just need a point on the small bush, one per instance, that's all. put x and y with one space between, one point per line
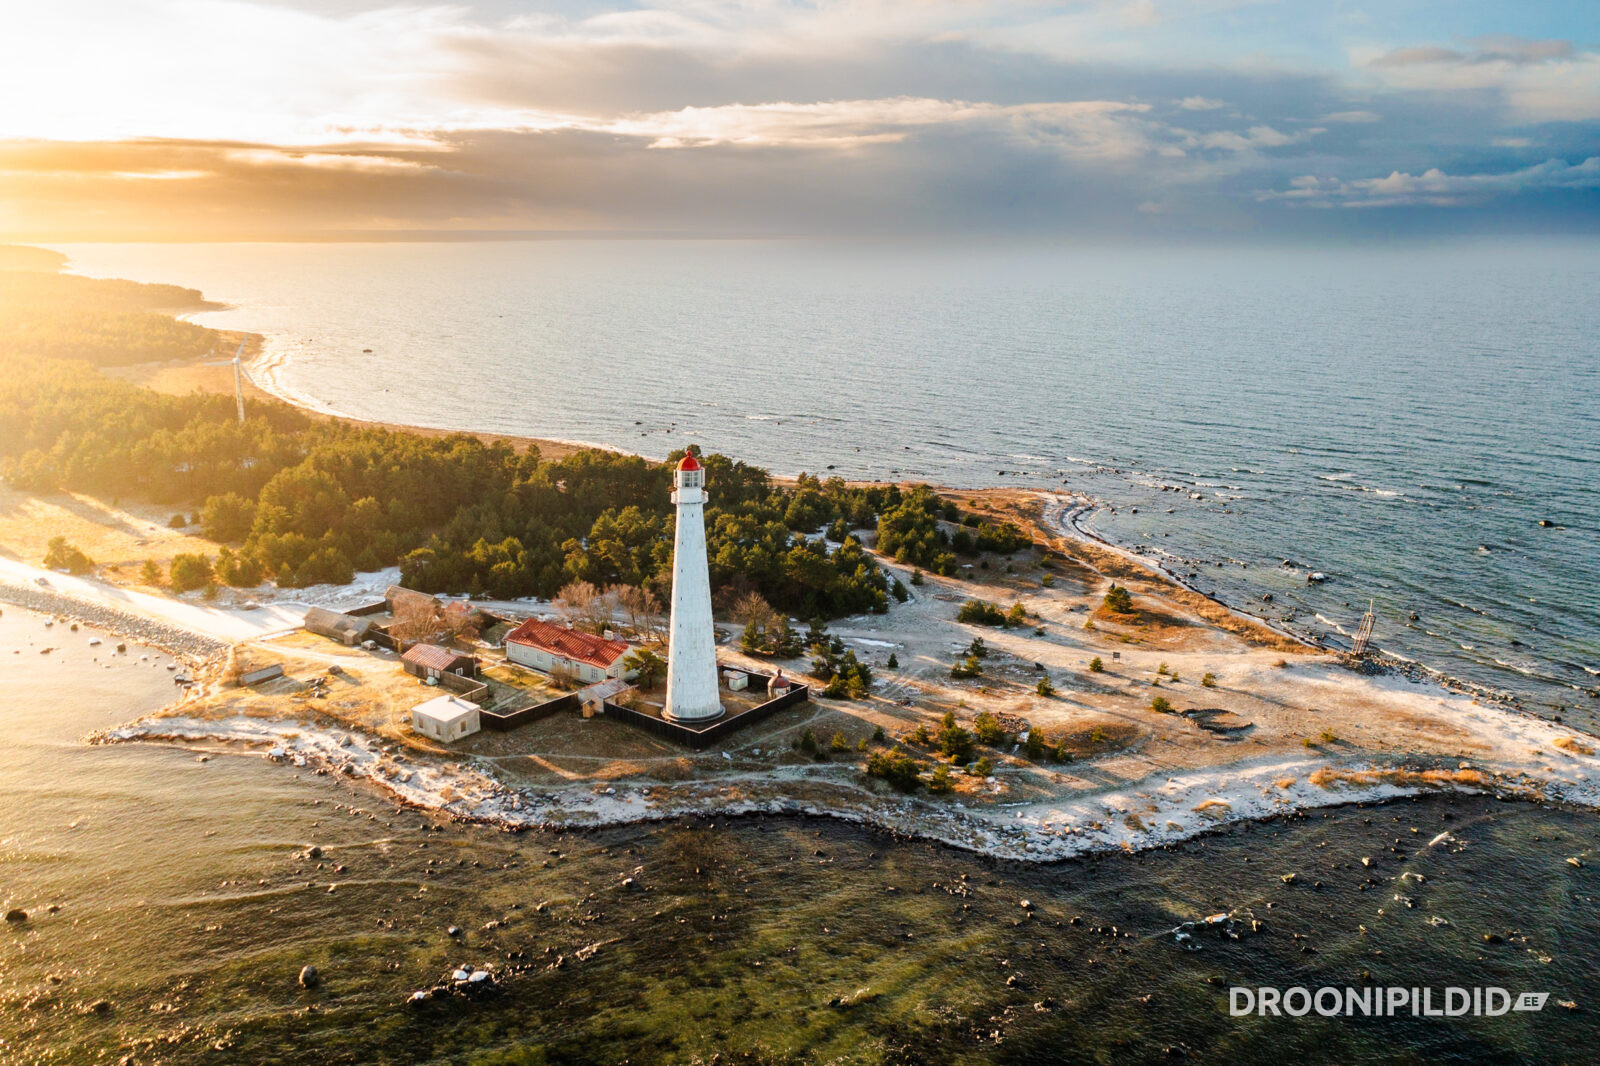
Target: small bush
808 742
1035 746
894 661
1161 705
1118 600
982 768
60 555
1096 666
177 521
987 728
150 572
189 572
878 736
954 741
1018 615
838 743
968 667
982 613
1209 680
1044 687
1048 581
916 577
940 782
897 768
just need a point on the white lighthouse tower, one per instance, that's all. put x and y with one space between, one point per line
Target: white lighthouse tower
692 652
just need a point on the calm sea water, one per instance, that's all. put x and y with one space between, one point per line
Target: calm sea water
1398 418
172 902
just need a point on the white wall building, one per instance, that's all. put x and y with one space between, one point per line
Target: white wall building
445 718
547 647
692 651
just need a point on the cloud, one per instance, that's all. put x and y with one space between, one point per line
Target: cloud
1099 129
1435 188
751 115
1535 80
1252 139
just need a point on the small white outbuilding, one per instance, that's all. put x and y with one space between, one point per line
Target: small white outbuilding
445 718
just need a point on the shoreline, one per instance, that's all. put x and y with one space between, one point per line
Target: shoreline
1189 805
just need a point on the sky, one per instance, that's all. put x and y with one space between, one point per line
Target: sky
1110 119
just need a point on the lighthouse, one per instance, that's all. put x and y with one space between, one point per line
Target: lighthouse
692 652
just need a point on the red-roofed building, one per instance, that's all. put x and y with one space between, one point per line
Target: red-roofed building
431 660
549 647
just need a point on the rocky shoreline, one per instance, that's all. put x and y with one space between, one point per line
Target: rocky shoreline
192 648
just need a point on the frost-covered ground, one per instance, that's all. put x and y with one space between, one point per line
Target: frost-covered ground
1524 759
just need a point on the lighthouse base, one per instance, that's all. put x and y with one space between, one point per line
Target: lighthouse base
710 715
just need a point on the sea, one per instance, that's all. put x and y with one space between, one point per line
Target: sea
1417 422
173 895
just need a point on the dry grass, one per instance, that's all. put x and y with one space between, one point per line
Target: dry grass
119 539
1575 747
1333 779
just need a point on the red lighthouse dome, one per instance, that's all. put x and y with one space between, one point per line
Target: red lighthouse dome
689 462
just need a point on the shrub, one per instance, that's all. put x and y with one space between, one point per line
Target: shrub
1097 736
1048 581
968 667
988 730
189 572
1161 705
916 577
1209 680
897 768
1096 666
1018 615
177 521
978 649
982 768
238 569
1044 687
808 742
981 613
150 573
838 743
1035 745
59 555
940 782
877 735
919 736
954 741
1118 600
1161 671
894 661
